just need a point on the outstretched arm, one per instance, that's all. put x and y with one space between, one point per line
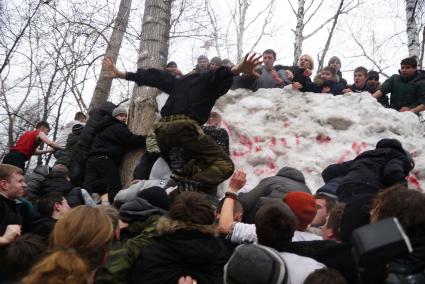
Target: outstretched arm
49 142
111 70
247 66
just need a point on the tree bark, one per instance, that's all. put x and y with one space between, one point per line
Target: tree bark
103 85
240 31
298 44
153 52
411 28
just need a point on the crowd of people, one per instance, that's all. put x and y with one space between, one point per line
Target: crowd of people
76 223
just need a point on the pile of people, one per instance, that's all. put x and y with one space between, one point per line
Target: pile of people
172 225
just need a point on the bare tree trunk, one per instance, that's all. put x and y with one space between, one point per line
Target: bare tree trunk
240 31
411 28
153 52
298 44
328 41
103 85
421 59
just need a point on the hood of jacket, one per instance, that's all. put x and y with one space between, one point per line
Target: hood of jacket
139 209
291 173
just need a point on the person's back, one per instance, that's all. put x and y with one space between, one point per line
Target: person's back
186 245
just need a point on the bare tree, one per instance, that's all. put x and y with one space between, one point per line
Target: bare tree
153 52
103 85
412 29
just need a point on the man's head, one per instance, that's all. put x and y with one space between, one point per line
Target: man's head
360 76
408 67
120 113
81 117
372 79
226 62
202 63
237 210
192 207
306 62
43 126
303 205
275 225
269 57
215 63
53 205
59 170
335 63
214 119
332 229
12 183
171 67
324 205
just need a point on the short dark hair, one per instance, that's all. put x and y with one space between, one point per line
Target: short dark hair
45 203
411 61
361 69
330 202
330 69
79 115
192 207
20 256
270 51
275 225
325 275
41 124
334 220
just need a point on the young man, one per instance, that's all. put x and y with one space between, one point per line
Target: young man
360 82
374 85
79 118
335 63
324 205
51 208
187 108
27 145
270 78
12 211
407 88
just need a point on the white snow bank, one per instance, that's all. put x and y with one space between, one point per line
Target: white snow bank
272 128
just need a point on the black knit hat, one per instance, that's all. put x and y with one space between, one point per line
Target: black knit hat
156 196
252 263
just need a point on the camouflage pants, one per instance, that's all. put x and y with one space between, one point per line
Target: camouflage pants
205 161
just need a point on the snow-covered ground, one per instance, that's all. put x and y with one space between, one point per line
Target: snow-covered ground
272 128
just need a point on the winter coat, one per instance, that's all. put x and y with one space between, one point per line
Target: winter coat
375 169
181 249
336 87
62 185
192 95
89 131
139 209
34 180
13 212
71 150
114 138
219 135
43 226
341 80
405 92
299 77
286 180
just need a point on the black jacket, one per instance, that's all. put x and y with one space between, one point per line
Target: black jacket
181 250
114 138
336 87
193 95
299 77
43 226
387 165
62 185
13 212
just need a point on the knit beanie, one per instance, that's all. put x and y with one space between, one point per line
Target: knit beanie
202 57
156 196
119 110
303 205
256 264
334 58
216 60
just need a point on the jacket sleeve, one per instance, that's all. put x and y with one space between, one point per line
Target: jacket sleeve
221 80
336 170
394 172
387 86
249 200
154 78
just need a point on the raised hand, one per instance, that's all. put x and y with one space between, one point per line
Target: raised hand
247 66
237 181
111 70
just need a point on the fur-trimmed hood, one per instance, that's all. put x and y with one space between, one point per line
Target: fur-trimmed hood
165 225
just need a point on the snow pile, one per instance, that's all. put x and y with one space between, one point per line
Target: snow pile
272 128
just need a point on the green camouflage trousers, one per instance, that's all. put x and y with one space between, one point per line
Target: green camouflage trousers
205 161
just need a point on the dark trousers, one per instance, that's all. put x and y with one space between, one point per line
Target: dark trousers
15 158
205 161
144 167
102 176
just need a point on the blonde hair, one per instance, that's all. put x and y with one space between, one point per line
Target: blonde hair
309 59
80 241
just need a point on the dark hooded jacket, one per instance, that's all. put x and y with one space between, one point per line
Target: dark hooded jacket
114 138
286 180
181 249
299 77
34 181
375 169
43 226
62 185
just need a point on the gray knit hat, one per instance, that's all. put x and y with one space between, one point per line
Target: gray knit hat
334 58
119 110
252 263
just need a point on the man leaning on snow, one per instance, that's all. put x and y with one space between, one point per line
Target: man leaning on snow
407 88
203 164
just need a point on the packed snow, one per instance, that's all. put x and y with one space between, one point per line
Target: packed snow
273 128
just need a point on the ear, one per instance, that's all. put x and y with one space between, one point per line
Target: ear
56 206
3 184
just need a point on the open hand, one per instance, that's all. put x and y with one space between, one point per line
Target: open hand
247 66
237 181
111 70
